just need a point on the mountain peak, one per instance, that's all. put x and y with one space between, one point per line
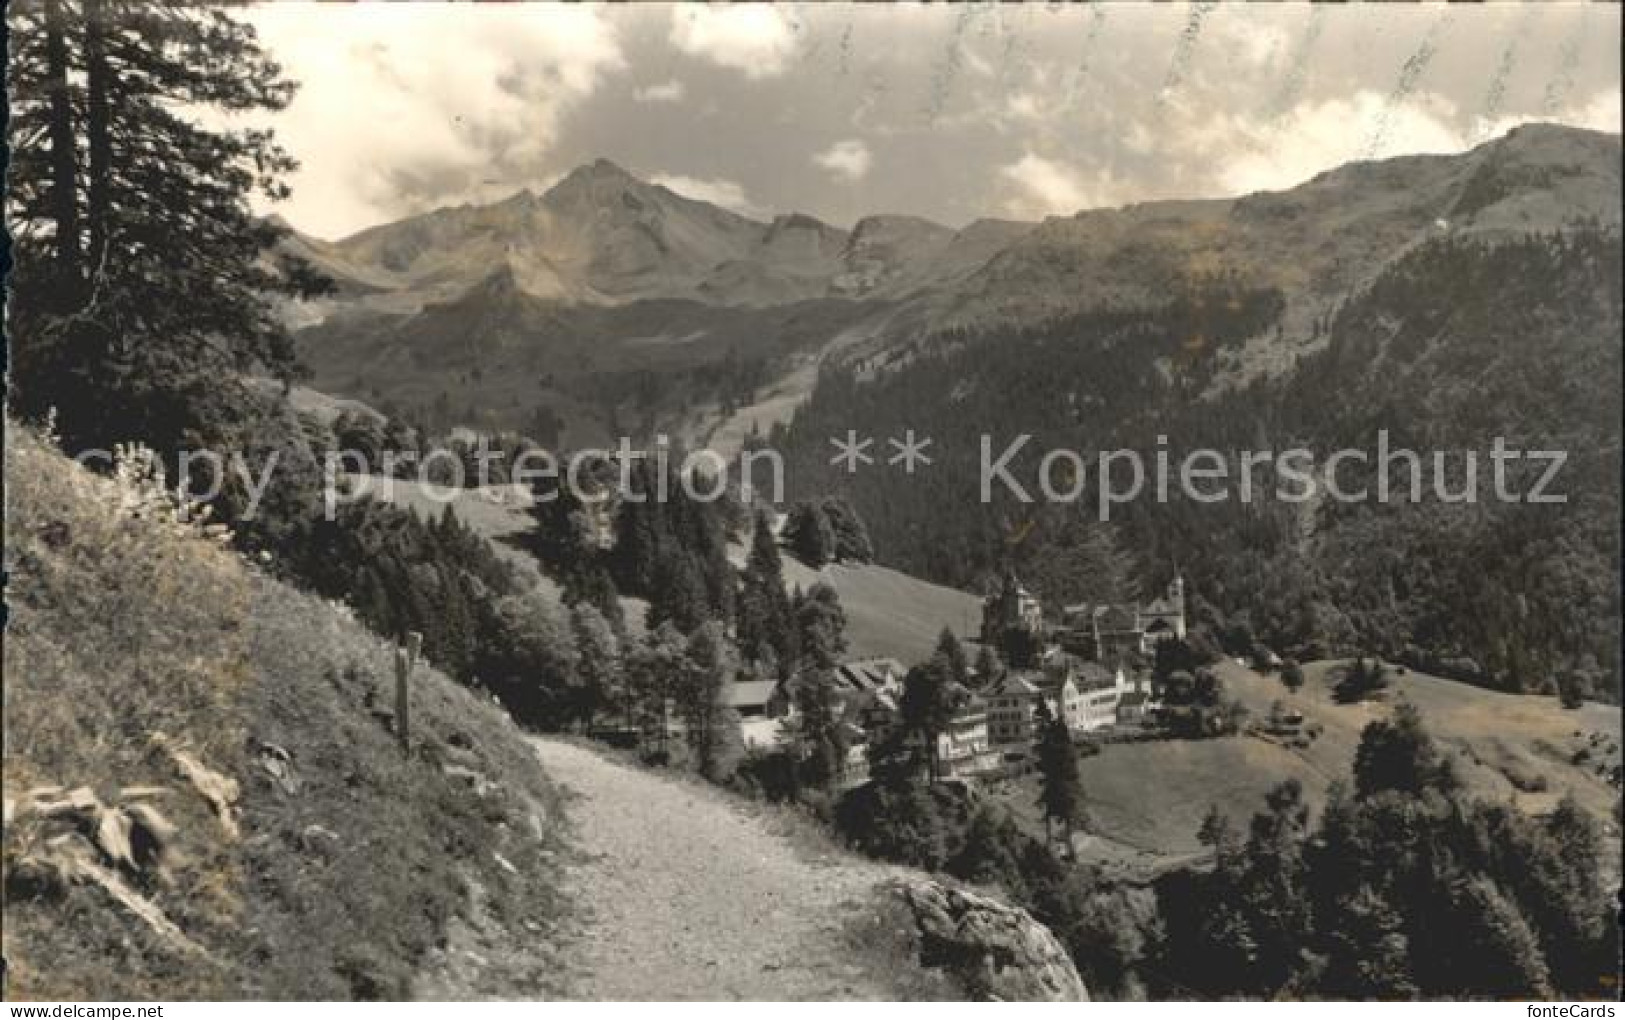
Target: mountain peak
602 167
595 183
602 170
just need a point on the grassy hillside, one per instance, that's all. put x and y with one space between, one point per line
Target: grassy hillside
1147 800
888 612
344 861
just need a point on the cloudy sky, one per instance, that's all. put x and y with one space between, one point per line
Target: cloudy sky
946 112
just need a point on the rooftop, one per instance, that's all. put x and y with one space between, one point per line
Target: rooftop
749 693
868 674
1013 684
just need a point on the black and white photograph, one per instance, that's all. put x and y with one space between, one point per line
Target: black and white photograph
514 502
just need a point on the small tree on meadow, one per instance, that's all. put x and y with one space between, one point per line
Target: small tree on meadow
1571 689
1292 676
1361 680
1399 754
1060 788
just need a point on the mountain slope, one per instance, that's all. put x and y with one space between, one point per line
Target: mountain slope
605 262
331 864
1315 242
598 236
1452 346
498 357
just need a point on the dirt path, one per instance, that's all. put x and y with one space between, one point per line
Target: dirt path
682 894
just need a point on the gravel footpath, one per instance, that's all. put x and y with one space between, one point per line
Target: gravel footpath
682 894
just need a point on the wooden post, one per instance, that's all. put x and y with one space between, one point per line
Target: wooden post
405 659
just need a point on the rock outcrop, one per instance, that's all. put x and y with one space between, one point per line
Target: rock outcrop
996 951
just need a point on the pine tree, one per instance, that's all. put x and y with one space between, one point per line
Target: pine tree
1274 886
766 627
372 602
1553 871
141 270
1219 833
456 625
809 534
1060 786
1368 953
816 734
953 653
678 592
988 667
711 727
1292 675
1043 715
1505 960
820 627
927 706
1399 754
598 664
698 529
851 536
653 671
591 585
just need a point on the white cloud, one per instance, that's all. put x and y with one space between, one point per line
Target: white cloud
848 159
754 38
1317 136
665 92
1044 187
1044 109
1601 113
716 190
409 106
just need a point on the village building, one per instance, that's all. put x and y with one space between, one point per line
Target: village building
855 766
1011 608
1133 708
877 714
964 749
756 699
1087 696
1011 705
869 674
1056 680
762 706
1116 633
1099 690
1163 618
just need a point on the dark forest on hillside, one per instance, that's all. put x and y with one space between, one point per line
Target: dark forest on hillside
1456 343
